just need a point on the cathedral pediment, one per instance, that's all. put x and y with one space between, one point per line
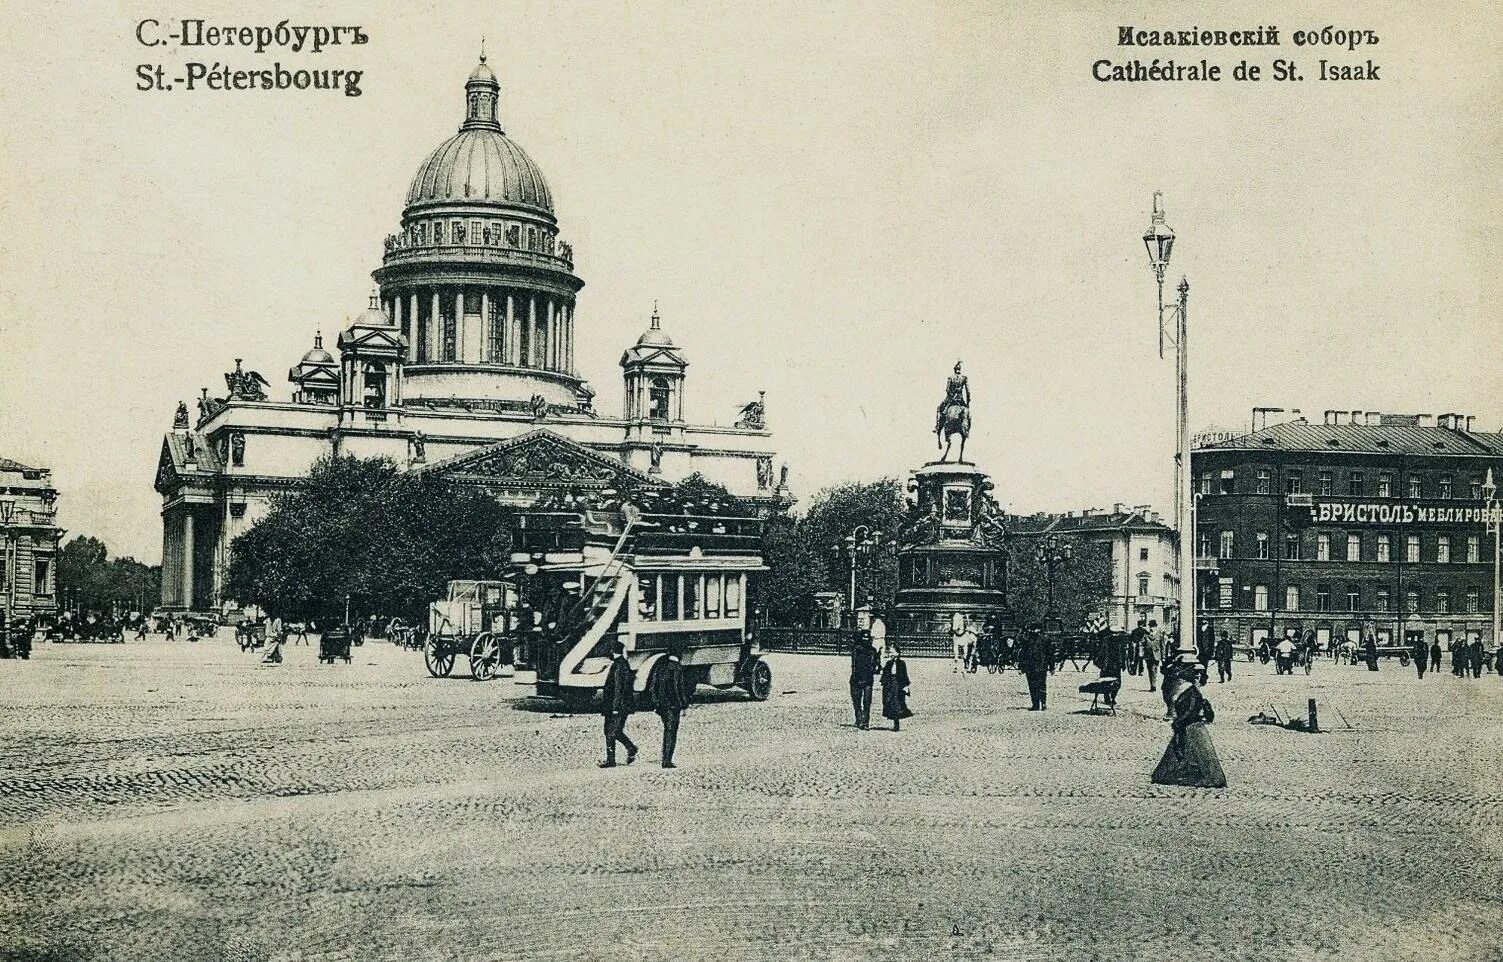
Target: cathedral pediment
542 459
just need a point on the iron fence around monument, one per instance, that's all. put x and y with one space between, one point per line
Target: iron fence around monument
837 641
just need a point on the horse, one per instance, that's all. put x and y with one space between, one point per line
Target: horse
953 419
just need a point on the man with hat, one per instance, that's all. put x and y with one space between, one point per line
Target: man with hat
864 668
616 704
669 699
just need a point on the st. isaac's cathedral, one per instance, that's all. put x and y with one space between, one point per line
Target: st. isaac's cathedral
463 364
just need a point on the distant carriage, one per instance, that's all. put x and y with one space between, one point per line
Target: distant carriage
474 620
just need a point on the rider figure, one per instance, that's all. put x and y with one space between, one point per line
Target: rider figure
957 391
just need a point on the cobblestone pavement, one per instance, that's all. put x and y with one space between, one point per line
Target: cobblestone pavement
174 801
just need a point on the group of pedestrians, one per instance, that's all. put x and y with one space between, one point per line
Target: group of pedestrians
868 665
670 696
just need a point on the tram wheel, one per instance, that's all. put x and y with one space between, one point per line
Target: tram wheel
485 657
759 680
439 661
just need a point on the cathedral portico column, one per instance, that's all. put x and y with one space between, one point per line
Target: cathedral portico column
552 342
532 330
187 573
435 329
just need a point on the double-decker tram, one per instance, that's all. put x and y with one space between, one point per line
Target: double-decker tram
653 580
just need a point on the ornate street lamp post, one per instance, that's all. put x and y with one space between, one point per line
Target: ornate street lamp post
1495 528
1159 239
1051 553
861 542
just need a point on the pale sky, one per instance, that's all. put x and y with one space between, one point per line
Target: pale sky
832 202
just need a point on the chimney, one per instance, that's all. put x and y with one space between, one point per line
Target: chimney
1328 417
1119 508
1374 418
1356 418
1469 419
1424 420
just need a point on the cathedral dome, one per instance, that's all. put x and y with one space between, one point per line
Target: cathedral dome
318 355
480 164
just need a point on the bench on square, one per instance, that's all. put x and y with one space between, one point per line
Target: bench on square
1106 687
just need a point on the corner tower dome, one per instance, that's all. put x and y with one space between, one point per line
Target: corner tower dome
480 164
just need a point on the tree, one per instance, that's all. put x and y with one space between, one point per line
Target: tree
389 541
1082 585
85 571
802 553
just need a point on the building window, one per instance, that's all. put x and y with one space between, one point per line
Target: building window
1260 597
1322 598
1473 600
1354 484
497 327
1445 486
1142 554
42 577
1226 545
1322 547
1324 482
1473 548
1443 601
1203 545
1385 484
1291 547
1353 598
1443 549
1224 594
1476 489
1262 553
1291 597
1354 547
1228 482
1203 483
1382 599
1292 482
1411 601
1265 481
1385 547
1142 586
1411 549
1415 489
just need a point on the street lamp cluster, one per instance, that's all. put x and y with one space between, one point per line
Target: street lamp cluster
1051 553
863 541
1159 239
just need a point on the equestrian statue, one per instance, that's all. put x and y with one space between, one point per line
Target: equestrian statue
953 415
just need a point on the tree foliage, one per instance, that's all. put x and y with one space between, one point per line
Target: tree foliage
1081 585
98 584
388 540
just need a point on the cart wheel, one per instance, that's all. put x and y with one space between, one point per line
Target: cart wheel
485 657
759 680
439 662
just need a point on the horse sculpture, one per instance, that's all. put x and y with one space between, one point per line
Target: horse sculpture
954 418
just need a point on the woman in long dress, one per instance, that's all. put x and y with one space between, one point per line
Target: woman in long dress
895 688
1190 759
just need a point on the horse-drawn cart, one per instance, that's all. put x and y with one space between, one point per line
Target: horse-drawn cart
335 643
471 621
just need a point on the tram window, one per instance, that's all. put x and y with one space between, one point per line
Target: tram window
712 596
647 597
732 596
693 595
670 597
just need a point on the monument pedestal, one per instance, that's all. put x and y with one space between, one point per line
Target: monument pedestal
952 558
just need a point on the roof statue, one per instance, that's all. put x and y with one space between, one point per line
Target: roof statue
180 417
245 385
754 414
953 416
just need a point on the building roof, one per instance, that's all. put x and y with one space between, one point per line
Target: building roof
1090 521
1364 439
6 464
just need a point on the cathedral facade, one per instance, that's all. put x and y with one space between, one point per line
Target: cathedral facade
463 364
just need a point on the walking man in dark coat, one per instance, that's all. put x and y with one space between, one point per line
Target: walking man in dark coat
1435 655
1223 657
1034 658
1418 652
864 668
616 705
1136 642
669 701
